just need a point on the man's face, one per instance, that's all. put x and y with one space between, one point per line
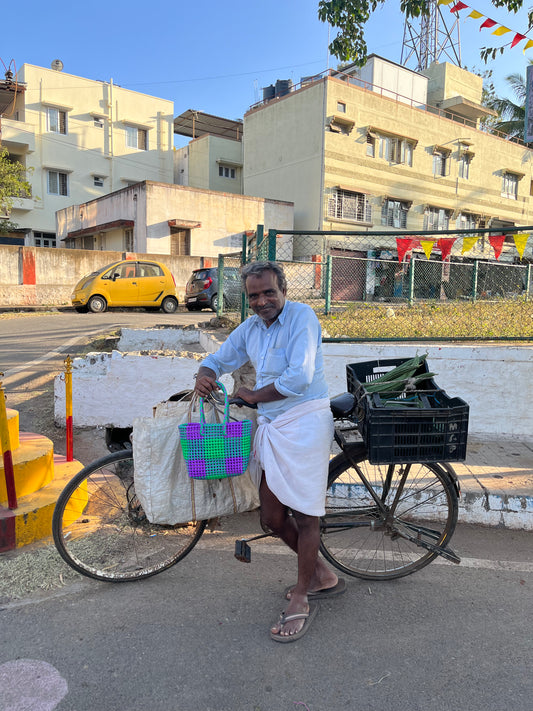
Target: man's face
265 297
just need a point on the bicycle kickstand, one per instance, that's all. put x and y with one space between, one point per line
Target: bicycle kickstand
243 552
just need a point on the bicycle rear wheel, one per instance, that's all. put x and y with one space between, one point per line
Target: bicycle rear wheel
416 509
101 530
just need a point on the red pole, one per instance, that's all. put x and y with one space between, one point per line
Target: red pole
6 452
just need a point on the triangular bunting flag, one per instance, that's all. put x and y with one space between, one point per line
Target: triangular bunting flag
427 246
497 244
475 14
458 6
501 31
488 23
516 39
529 44
520 241
445 245
444 2
404 245
468 243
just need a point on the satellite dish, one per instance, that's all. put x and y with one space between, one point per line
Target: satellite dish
57 65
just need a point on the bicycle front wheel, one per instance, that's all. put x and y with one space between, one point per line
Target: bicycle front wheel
101 530
394 533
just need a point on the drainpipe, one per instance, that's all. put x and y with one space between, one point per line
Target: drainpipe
111 136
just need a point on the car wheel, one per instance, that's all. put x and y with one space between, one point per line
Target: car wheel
214 303
97 304
169 305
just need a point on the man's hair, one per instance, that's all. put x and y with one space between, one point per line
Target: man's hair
257 269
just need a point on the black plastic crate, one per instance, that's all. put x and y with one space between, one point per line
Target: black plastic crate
435 433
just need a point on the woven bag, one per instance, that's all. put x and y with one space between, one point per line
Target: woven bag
216 450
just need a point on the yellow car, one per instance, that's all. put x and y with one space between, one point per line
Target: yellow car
137 283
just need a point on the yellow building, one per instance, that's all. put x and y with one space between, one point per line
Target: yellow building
82 139
386 148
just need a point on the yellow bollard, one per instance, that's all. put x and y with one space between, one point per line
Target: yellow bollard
68 409
6 452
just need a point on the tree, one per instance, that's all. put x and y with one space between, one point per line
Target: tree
511 114
350 16
13 184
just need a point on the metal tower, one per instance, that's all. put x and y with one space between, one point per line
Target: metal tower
428 38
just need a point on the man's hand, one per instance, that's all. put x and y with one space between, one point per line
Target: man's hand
205 382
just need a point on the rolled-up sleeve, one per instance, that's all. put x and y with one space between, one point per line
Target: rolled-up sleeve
231 354
301 352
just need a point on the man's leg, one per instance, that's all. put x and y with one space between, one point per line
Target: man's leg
302 534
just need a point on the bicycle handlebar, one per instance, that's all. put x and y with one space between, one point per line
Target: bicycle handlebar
242 403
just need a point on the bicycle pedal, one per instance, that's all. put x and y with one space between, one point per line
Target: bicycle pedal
243 552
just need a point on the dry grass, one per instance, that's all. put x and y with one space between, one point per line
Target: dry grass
481 320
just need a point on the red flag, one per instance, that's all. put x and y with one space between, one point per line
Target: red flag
404 245
445 245
517 38
488 23
459 6
497 244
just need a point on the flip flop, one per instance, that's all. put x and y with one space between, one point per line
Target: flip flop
283 619
337 589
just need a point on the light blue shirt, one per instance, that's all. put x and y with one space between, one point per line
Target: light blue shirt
288 354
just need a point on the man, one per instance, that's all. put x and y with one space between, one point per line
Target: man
295 429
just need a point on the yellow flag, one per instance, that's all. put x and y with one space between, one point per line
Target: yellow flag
427 246
475 14
444 2
529 44
501 31
520 241
468 243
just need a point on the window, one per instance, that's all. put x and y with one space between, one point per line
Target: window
370 145
341 107
57 183
396 150
510 186
128 240
394 213
465 221
225 171
436 218
57 120
147 269
440 162
348 205
180 242
44 239
98 122
137 138
464 166
98 181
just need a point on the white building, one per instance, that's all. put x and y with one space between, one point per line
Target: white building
81 139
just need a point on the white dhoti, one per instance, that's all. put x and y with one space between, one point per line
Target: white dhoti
294 451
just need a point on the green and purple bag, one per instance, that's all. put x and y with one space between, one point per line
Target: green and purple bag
216 450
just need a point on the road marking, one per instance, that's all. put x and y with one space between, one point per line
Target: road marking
472 563
31 684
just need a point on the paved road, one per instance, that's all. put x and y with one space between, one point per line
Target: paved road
447 638
32 340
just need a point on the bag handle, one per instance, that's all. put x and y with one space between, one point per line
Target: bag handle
226 409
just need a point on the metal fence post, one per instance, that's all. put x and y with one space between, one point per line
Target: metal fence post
259 241
272 245
411 287
220 295
475 275
528 281
327 305
244 260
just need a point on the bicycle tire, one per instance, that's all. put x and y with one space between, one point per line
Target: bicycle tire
100 528
371 542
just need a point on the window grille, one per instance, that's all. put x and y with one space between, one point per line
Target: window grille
348 205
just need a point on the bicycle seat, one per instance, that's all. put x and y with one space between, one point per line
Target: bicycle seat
342 405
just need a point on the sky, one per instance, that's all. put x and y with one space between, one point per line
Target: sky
216 57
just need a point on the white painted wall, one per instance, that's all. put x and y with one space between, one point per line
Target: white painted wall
112 389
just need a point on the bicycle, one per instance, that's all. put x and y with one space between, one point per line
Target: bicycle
381 522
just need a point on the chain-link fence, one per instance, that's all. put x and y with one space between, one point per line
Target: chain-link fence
368 294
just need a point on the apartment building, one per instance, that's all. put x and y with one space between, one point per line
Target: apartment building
80 139
212 160
386 148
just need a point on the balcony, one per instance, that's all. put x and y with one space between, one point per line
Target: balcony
18 136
